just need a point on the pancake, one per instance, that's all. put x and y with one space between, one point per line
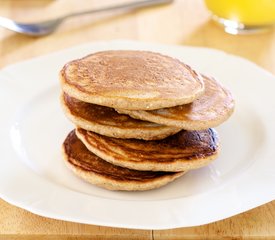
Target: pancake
94 170
210 110
108 122
183 151
134 80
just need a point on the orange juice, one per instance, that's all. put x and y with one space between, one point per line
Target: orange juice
247 12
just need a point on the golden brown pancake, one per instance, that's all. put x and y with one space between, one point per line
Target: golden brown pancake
183 151
94 170
134 80
108 122
211 109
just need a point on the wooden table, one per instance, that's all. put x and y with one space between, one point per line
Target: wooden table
185 22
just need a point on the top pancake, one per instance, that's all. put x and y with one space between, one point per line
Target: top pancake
211 109
134 80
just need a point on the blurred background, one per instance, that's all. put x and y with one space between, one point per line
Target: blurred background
184 22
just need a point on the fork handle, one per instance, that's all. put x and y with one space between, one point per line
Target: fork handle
132 5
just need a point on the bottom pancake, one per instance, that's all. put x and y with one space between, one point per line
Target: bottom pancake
94 170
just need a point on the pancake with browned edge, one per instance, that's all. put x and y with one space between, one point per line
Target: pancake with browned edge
94 170
183 151
210 110
108 122
134 80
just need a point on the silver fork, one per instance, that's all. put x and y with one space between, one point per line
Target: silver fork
47 27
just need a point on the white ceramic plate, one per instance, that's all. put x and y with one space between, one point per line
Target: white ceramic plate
33 127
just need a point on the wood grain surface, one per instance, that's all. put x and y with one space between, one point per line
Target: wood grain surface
185 22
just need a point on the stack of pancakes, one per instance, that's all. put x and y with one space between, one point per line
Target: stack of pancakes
142 119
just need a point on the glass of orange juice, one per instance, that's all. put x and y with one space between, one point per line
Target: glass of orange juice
243 16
